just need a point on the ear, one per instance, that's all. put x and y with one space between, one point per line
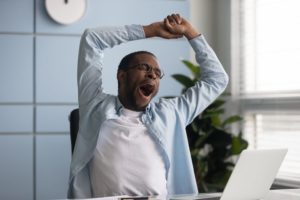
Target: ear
121 75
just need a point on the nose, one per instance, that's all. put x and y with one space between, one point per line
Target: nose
151 74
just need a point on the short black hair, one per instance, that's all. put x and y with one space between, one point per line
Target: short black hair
126 60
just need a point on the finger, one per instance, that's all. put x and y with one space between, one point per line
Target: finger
172 36
170 32
178 36
177 19
168 25
171 19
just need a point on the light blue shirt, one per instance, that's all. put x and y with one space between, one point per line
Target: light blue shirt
165 120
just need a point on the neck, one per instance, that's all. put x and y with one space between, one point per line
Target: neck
130 106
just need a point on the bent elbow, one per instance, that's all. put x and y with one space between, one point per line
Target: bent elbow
226 80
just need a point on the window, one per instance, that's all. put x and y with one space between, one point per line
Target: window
266 76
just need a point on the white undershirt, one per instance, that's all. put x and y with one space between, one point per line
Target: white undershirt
126 160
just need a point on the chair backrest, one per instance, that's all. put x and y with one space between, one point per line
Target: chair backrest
74 126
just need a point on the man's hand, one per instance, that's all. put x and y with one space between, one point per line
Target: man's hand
177 25
173 26
158 29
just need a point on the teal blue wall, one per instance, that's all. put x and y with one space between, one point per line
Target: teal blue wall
38 85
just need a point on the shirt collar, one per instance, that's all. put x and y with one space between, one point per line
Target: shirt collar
119 107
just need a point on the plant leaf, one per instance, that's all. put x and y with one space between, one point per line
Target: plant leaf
184 80
232 119
195 69
212 112
216 104
216 121
238 145
226 94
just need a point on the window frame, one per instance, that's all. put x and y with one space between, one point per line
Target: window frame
257 103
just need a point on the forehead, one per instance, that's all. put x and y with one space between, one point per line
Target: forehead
145 58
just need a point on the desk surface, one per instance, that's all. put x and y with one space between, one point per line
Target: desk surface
286 194
290 194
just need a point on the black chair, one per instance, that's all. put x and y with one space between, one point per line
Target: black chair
74 126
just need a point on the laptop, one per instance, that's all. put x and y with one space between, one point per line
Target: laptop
251 178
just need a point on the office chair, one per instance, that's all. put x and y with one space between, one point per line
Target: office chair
74 126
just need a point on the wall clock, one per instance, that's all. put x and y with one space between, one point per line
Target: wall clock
65 11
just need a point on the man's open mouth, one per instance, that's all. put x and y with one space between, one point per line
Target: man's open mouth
147 89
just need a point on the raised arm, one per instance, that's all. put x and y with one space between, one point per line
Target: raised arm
91 52
213 77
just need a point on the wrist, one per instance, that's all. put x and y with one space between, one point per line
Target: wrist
191 33
149 31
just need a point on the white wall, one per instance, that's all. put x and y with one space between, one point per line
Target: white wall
212 19
38 89
202 16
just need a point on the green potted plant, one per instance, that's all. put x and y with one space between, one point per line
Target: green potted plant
211 143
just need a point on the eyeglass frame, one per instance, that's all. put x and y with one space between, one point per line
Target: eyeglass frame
148 69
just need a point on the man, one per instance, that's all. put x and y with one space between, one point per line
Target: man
127 144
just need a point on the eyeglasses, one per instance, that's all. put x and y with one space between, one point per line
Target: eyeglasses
148 68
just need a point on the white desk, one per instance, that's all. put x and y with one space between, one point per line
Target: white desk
286 194
290 194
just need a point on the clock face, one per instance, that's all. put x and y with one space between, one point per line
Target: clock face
65 11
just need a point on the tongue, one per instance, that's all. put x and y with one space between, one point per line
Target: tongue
146 89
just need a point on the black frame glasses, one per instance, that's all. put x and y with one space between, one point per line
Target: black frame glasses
148 68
